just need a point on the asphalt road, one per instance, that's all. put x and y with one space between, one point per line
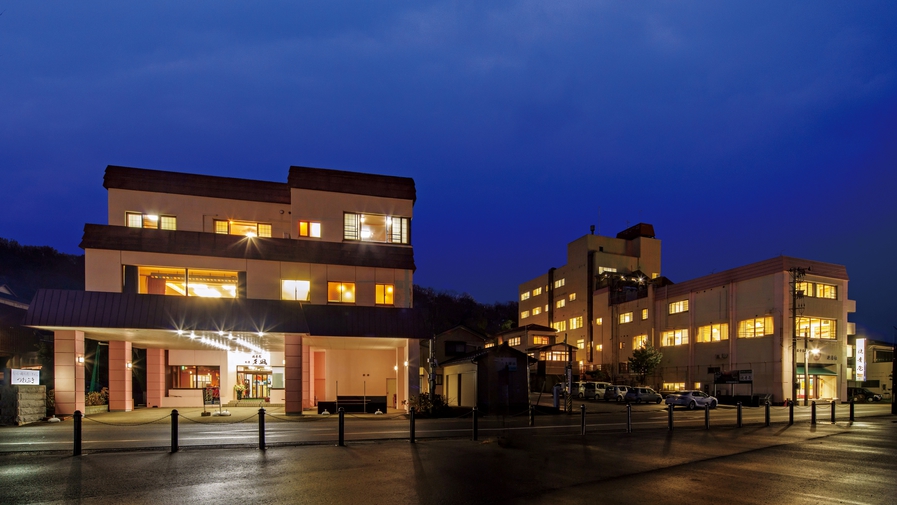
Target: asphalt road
850 463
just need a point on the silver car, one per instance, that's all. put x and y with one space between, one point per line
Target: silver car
615 393
642 395
691 399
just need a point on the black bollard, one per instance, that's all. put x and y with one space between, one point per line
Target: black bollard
851 410
582 409
532 415
767 412
790 412
262 445
174 431
412 425
706 416
812 412
342 427
833 411
670 418
628 418
77 446
738 405
476 426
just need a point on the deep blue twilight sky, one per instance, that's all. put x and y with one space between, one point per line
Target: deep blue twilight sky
741 131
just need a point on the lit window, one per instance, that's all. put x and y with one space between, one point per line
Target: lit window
756 327
295 290
674 337
626 317
309 229
151 221
561 303
581 343
264 230
813 327
712 333
599 321
187 282
680 306
514 341
247 228
560 326
817 290
572 296
559 283
490 344
546 307
524 296
541 341
654 275
575 322
644 314
524 314
639 341
673 386
622 345
537 291
537 311
221 227
341 292
599 347
697 385
601 270
376 228
383 294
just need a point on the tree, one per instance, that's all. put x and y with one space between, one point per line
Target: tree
644 361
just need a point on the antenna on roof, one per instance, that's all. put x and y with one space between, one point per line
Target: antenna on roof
592 229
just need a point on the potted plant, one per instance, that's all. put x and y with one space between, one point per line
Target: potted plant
239 388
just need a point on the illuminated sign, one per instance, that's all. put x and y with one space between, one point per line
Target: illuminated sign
257 359
24 377
861 359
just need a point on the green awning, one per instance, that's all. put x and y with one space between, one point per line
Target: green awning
816 370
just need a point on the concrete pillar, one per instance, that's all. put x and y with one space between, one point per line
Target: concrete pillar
308 379
120 395
292 373
155 377
68 364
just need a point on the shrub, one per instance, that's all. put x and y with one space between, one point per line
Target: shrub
100 397
424 403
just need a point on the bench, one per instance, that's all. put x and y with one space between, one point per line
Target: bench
362 404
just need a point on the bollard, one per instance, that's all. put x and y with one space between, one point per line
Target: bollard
77 446
851 410
476 426
706 416
342 427
833 411
767 412
262 445
628 418
670 418
412 425
738 405
582 409
174 431
812 412
790 412
532 415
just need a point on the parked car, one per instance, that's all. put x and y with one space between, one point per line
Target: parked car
642 395
615 392
691 399
600 388
863 395
586 390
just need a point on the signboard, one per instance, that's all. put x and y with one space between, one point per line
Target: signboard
257 359
509 363
734 377
861 359
24 377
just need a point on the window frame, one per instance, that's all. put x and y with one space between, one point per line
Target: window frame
341 289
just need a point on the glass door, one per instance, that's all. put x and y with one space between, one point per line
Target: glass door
256 382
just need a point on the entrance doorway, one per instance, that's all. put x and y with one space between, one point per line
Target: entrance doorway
391 393
257 382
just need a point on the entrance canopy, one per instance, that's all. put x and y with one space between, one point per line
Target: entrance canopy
816 370
160 321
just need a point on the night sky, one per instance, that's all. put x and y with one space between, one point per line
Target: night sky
740 131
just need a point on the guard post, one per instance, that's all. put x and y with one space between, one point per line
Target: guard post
813 412
767 413
342 427
262 445
476 426
706 416
76 451
174 431
412 424
738 405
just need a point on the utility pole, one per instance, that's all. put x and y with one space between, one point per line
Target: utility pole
432 378
797 276
568 377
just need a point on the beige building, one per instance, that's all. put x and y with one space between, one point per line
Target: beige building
611 298
287 292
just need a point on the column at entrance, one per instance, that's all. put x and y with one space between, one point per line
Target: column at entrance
292 374
68 365
120 396
155 377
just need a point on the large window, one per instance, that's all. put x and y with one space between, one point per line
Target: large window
295 290
756 327
537 291
541 340
138 220
187 282
309 229
680 306
376 228
815 327
572 297
626 317
674 337
247 228
560 303
560 325
712 333
644 314
575 322
537 311
524 314
341 292
524 296
195 377
639 341
514 341
818 290
673 386
383 294
560 283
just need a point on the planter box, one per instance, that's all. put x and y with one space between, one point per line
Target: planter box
95 409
